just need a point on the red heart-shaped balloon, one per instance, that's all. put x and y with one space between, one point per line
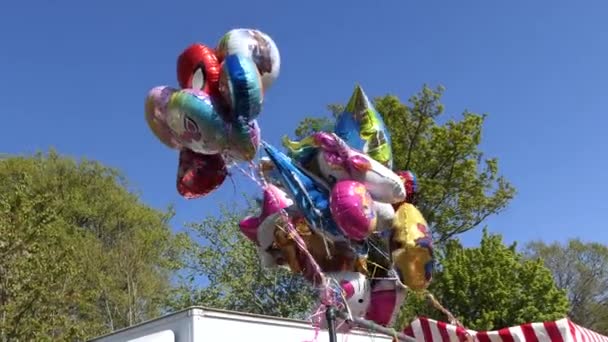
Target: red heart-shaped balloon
199 174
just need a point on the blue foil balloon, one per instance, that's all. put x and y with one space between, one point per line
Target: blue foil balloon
363 129
241 87
310 196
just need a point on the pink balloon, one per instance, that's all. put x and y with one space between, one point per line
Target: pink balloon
352 208
385 303
156 115
382 307
274 200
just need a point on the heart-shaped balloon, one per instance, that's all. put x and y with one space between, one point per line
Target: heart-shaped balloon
199 174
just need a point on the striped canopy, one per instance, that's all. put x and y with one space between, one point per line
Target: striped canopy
563 330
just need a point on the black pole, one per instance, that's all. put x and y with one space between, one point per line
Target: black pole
330 315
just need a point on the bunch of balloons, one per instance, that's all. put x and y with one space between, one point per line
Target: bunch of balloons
355 215
333 209
211 120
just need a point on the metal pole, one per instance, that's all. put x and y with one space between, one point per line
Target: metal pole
369 325
330 315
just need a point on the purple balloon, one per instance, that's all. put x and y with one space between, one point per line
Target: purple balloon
352 208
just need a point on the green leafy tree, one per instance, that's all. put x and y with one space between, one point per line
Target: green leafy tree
491 287
581 269
235 280
80 255
459 187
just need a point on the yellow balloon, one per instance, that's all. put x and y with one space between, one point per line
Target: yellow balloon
412 248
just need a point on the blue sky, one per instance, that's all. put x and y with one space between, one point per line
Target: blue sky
73 75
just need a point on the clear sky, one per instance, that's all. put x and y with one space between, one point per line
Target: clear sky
73 75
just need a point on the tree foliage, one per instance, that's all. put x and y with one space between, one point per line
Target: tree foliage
459 187
581 269
235 280
80 255
491 287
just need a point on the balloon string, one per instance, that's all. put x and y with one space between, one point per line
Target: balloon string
435 303
292 231
325 288
249 175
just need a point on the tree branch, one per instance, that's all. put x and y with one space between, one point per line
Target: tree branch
414 138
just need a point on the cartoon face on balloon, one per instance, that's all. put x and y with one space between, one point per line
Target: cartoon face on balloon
352 208
352 292
192 116
355 290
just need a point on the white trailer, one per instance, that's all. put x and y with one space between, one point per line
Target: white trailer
205 325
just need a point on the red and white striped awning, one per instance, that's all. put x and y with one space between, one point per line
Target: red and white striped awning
563 330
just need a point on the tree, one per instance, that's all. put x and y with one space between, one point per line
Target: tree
491 287
235 280
80 255
459 187
581 269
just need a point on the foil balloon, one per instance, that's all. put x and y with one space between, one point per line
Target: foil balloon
244 140
269 172
277 248
309 194
156 115
193 118
241 87
385 302
385 214
362 127
198 68
269 253
352 291
337 161
411 247
411 186
273 200
256 45
352 208
199 174
382 183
